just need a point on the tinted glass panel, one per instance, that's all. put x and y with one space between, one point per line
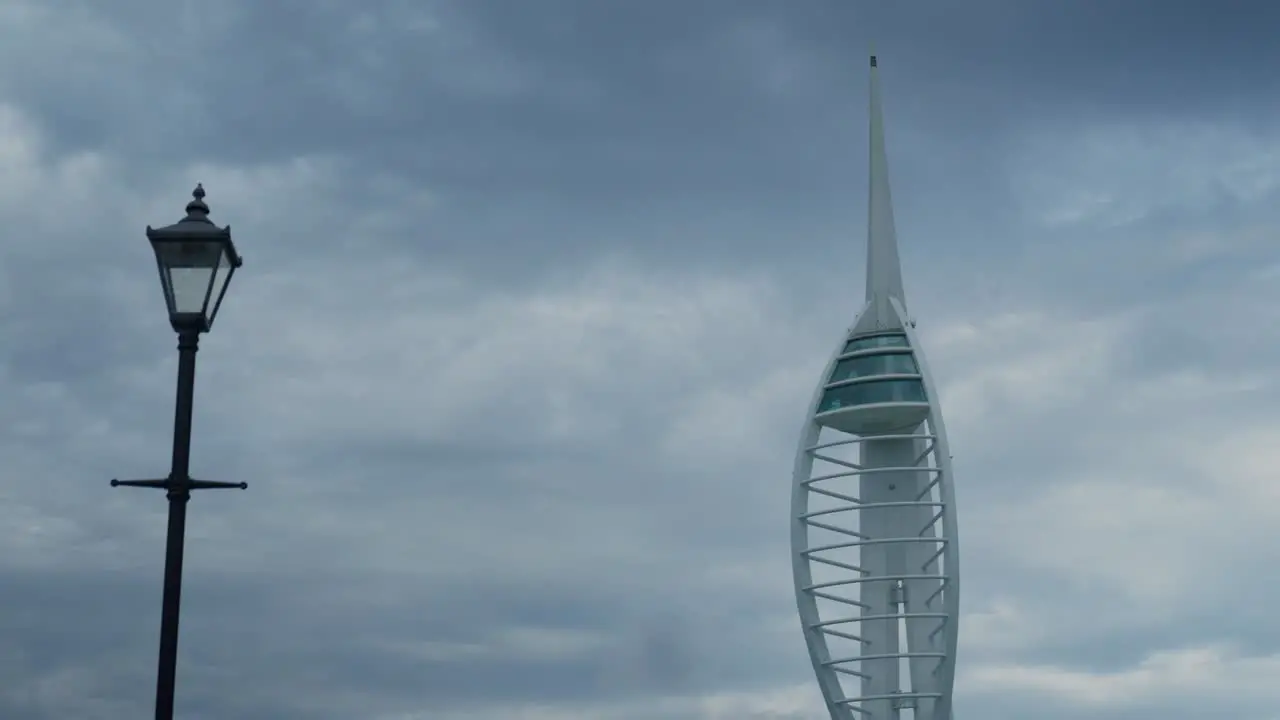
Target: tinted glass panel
875 341
188 267
885 391
190 288
894 364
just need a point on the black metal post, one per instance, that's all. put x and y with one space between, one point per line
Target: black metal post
178 487
179 492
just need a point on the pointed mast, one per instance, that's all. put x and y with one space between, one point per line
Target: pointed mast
884 271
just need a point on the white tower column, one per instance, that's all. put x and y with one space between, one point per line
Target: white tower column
873 509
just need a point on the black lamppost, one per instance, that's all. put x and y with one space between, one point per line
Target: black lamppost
196 260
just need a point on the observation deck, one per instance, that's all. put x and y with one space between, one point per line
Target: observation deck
875 387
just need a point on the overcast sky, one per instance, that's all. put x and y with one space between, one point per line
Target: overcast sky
535 294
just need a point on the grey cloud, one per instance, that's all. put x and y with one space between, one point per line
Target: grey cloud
489 476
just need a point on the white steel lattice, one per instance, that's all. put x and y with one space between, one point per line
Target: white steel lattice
875 559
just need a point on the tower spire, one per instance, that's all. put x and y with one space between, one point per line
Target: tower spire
884 270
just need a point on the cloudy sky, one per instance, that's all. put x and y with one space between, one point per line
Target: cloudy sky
535 294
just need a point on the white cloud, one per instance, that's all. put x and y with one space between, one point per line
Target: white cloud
1208 676
505 644
1003 625
434 356
1138 484
649 414
994 372
789 702
44 191
1117 173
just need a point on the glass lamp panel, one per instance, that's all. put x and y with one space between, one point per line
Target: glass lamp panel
190 288
189 266
220 278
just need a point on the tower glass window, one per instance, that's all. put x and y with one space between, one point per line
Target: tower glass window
859 344
881 391
867 365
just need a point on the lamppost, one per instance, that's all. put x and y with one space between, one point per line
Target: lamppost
196 260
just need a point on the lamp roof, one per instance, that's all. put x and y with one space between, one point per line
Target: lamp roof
196 222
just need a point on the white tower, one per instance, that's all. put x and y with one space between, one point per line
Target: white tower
873 533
